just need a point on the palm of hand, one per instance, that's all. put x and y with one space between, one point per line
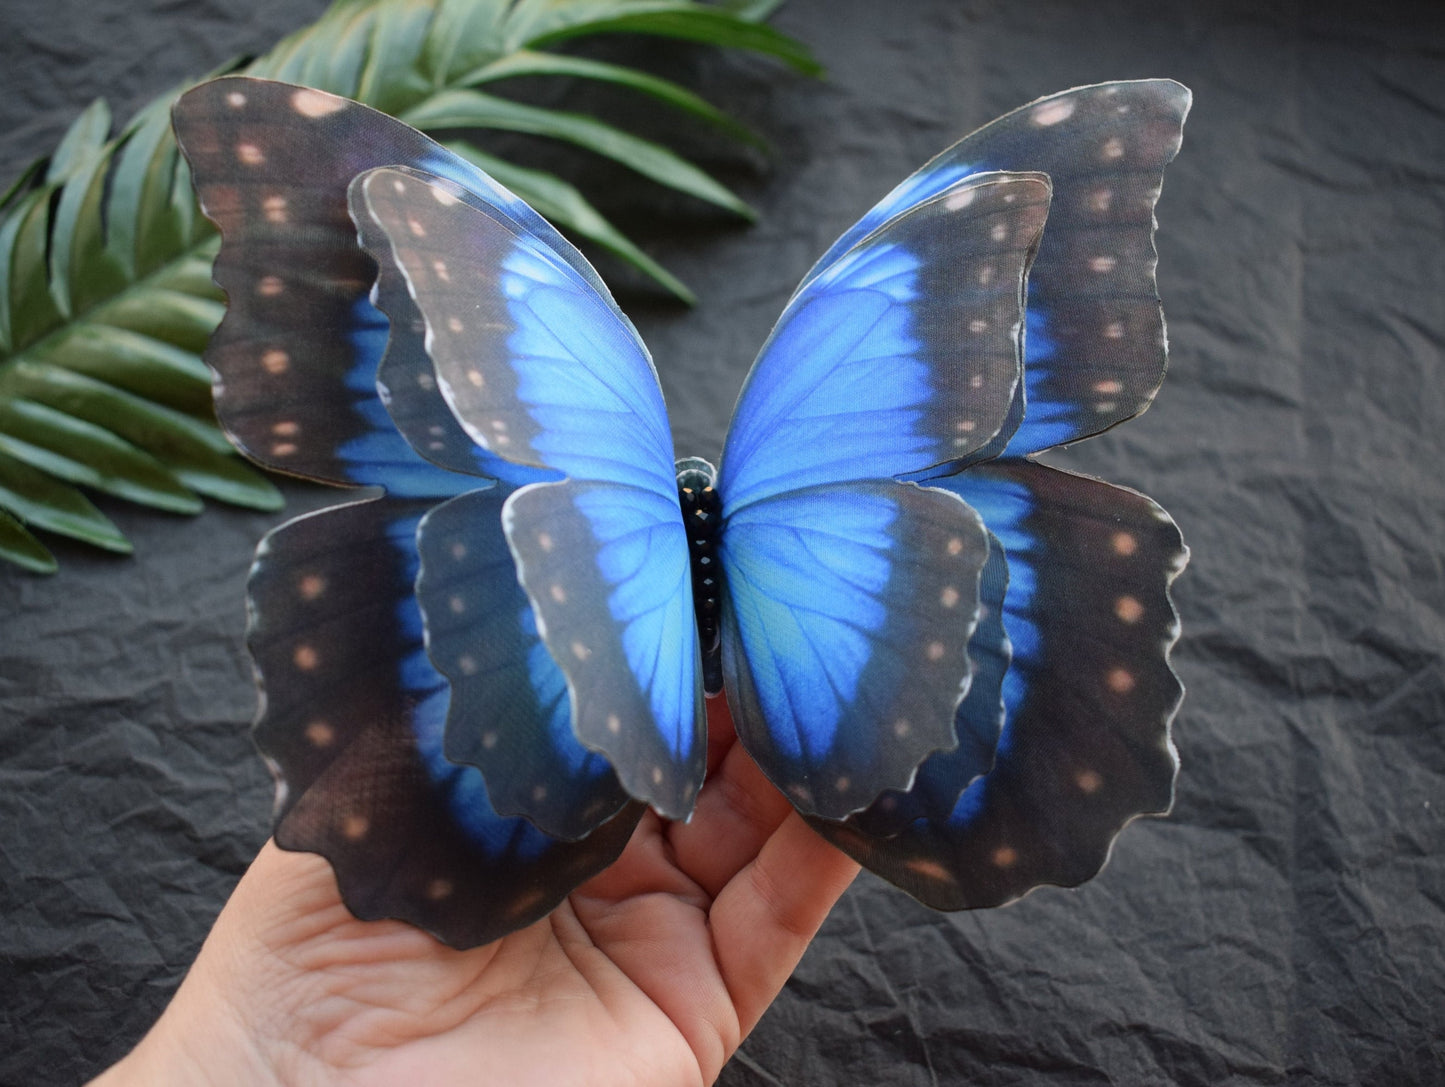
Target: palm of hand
650 973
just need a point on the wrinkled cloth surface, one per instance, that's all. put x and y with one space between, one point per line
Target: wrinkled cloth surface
1285 925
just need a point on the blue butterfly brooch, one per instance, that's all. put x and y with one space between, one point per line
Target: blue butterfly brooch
952 659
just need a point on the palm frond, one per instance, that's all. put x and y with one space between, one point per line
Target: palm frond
106 300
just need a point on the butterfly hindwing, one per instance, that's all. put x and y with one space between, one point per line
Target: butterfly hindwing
509 715
540 370
353 720
847 613
1089 696
943 776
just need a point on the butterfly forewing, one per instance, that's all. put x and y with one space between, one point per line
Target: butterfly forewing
353 720
296 357
900 356
1089 696
540 370
1095 355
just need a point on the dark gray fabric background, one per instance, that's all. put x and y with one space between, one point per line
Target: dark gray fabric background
1285 925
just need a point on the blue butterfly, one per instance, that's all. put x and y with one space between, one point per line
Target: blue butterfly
951 659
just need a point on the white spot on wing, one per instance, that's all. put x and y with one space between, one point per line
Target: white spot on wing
235 99
1051 113
316 104
438 889
960 199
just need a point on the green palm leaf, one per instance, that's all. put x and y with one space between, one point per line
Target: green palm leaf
106 300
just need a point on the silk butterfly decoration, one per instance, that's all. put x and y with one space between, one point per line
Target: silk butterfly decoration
951 658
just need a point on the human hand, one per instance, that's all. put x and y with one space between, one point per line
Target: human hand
652 972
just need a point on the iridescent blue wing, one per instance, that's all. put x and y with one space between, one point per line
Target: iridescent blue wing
352 723
540 370
848 610
299 354
900 356
302 385
1089 695
1095 352
509 714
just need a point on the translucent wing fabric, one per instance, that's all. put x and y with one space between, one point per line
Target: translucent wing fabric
1088 694
542 372
952 660
1096 351
1087 699
850 597
354 719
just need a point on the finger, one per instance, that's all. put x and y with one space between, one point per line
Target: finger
763 920
720 734
737 811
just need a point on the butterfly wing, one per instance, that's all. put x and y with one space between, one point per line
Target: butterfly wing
849 597
977 724
540 370
353 720
509 714
1089 696
1095 351
299 353
300 378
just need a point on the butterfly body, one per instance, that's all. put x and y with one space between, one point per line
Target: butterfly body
702 517
872 573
